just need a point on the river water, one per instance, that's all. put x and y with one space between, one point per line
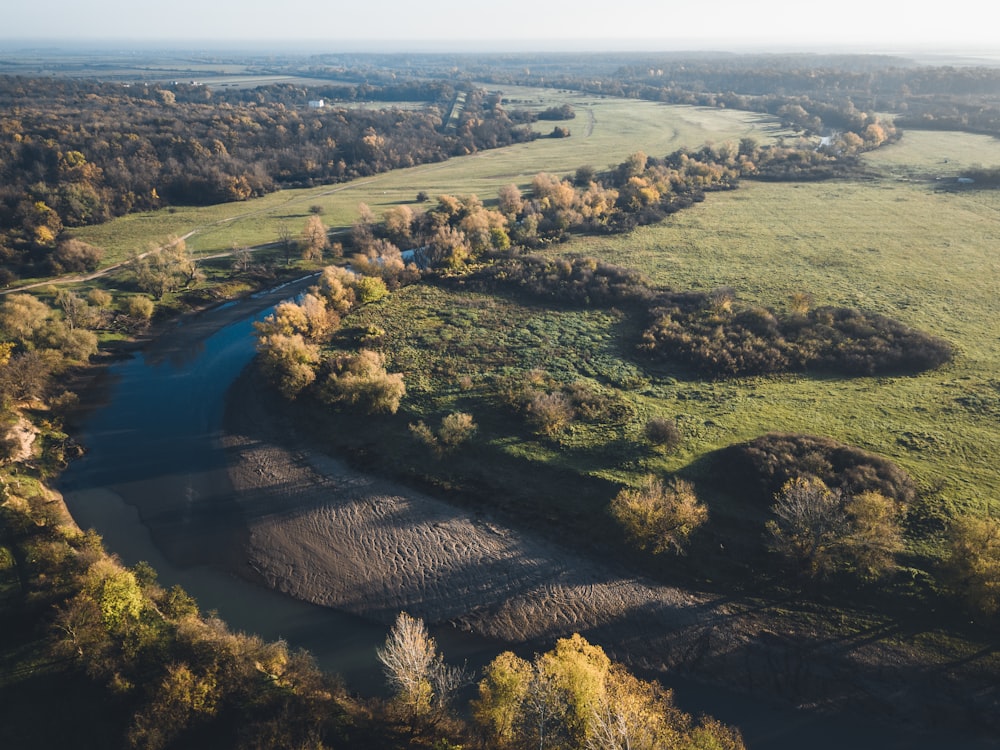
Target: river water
153 483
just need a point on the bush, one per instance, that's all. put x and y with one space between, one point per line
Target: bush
663 433
456 428
549 413
361 380
762 467
660 516
731 341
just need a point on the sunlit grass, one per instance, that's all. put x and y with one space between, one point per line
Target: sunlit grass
605 132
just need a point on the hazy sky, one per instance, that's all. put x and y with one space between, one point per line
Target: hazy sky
472 24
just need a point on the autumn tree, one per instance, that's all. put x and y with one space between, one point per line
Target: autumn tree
423 684
822 530
575 696
289 361
314 239
72 255
660 515
309 317
361 380
398 223
165 269
510 201
22 317
973 562
336 287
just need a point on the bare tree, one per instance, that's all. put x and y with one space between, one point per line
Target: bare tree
408 659
423 683
823 530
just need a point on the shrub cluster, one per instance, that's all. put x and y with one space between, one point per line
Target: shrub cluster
711 332
720 339
575 281
760 468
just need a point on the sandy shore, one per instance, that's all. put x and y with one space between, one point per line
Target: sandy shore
324 533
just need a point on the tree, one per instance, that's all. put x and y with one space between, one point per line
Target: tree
75 255
574 696
286 241
22 317
314 239
809 525
503 692
369 289
310 317
288 361
632 714
823 530
420 679
165 269
361 380
510 201
973 562
242 258
398 222
76 311
660 516
875 535
335 287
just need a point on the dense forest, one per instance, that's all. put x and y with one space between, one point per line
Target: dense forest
832 89
81 152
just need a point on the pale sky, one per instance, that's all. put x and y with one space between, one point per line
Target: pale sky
473 25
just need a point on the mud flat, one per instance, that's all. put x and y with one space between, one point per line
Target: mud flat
323 532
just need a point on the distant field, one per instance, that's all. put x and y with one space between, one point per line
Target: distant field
605 131
934 155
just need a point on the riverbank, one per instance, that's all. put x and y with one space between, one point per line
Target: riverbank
322 532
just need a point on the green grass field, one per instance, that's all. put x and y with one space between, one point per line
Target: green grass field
605 131
893 242
904 249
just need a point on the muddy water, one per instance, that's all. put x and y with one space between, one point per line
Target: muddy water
153 483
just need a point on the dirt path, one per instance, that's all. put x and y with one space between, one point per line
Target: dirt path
327 534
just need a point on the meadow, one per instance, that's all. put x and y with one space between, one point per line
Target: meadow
604 133
902 241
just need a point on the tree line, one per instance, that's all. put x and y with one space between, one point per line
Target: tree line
77 152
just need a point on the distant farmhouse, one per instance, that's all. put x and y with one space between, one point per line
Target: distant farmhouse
316 104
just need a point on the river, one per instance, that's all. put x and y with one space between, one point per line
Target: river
153 483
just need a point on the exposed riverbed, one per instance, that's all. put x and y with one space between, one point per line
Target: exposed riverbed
286 542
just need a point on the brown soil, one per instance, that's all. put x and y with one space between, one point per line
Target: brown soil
325 533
